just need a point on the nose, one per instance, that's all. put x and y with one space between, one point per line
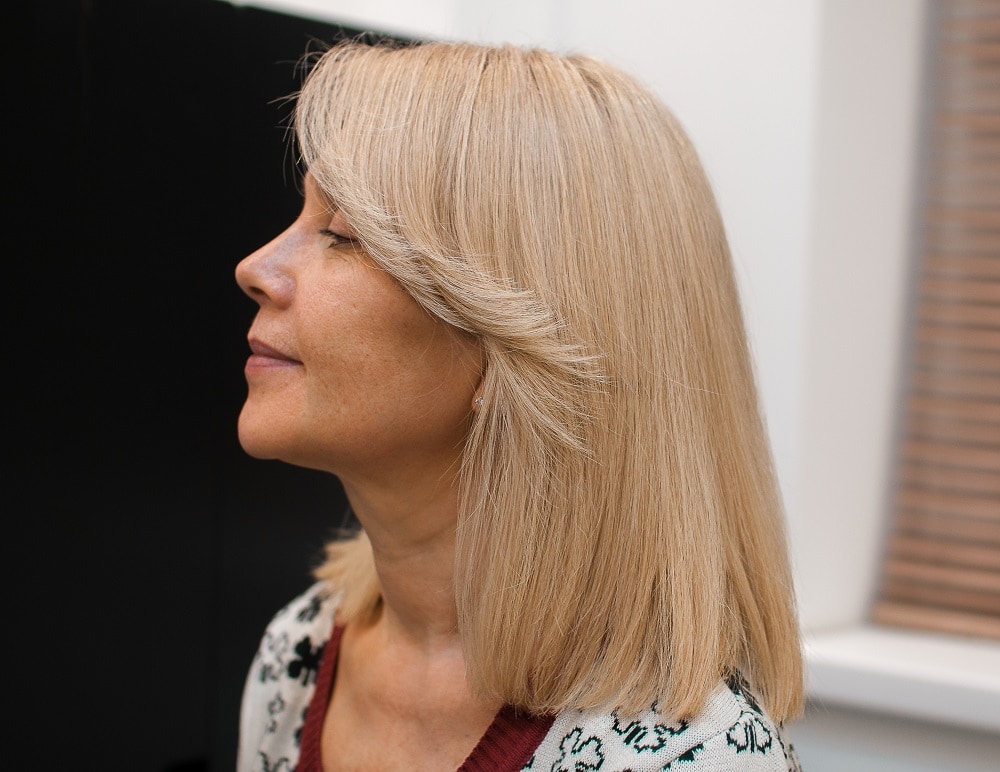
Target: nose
265 276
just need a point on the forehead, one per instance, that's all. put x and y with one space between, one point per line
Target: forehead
311 188
316 198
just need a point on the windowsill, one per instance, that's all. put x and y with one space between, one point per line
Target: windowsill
937 678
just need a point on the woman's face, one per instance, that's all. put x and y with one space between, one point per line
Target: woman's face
348 373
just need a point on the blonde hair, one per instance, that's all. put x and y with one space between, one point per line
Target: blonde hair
620 538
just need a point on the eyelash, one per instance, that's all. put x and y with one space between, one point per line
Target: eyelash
336 239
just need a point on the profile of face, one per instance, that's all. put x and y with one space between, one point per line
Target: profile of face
348 373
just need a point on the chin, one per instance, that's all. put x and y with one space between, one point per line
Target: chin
256 438
271 440
254 447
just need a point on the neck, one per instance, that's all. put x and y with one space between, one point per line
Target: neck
412 534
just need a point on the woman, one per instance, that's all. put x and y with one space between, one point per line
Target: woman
506 320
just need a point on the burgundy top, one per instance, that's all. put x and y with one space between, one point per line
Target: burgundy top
509 742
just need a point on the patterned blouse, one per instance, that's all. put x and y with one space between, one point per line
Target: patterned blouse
280 721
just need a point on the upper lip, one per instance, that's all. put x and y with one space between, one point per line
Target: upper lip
262 349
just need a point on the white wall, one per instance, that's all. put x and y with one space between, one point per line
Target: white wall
861 192
804 114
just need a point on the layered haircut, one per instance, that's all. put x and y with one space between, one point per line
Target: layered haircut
620 538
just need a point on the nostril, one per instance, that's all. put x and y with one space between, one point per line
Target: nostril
253 289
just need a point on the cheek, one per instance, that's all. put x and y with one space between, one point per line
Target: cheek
431 360
435 384
334 330
347 344
413 371
379 364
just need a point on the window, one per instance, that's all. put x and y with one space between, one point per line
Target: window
941 570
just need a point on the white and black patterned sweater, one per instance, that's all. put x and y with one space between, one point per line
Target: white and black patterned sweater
730 733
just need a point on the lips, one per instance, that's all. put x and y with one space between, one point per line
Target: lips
265 356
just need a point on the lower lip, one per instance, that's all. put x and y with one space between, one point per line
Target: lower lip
259 362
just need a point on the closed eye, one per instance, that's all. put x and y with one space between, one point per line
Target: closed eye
336 239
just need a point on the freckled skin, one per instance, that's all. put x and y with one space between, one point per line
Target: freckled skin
383 388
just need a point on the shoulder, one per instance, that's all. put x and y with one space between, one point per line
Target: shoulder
282 678
731 732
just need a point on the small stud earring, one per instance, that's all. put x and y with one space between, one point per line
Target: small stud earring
479 401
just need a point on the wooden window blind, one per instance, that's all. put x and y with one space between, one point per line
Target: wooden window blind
941 568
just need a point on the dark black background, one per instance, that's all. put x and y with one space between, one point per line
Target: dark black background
144 156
